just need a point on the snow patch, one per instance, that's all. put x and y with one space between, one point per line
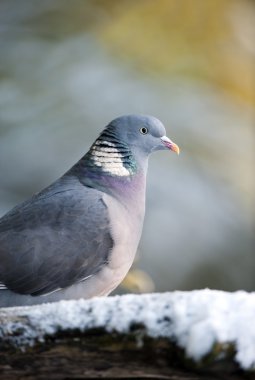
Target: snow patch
194 320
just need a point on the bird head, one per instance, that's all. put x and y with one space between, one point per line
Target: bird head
123 147
142 133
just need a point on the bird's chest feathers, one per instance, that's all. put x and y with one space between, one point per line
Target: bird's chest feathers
113 167
126 229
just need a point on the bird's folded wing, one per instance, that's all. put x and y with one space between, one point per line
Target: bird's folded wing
51 242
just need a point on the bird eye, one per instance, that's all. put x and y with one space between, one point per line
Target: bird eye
143 130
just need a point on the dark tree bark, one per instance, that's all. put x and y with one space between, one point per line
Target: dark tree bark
32 348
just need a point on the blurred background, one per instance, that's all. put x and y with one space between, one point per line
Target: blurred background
68 67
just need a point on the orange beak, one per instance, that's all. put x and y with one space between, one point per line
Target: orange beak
170 144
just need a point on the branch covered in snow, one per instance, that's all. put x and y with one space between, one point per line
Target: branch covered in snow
208 330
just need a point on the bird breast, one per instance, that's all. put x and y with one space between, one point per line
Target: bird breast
126 229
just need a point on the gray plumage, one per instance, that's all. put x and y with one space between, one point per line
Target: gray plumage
78 237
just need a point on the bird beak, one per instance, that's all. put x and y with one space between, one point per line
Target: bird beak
170 144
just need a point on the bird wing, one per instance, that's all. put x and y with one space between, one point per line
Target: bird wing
54 240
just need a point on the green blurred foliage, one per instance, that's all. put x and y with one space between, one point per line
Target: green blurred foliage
210 40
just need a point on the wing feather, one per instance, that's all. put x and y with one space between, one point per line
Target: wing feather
53 240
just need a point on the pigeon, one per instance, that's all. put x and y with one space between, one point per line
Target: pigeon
78 237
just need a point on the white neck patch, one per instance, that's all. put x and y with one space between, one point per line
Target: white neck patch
106 155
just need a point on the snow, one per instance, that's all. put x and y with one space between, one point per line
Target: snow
194 320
